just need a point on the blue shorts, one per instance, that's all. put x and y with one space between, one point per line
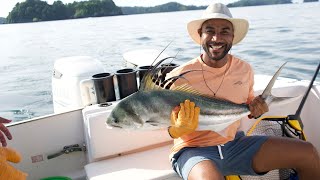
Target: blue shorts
237 156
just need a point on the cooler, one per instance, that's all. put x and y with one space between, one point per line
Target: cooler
66 77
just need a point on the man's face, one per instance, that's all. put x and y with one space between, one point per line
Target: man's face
216 38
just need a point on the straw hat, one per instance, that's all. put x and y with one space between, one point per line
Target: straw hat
218 11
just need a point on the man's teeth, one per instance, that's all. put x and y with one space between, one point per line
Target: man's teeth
216 47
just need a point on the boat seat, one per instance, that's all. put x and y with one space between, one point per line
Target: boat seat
149 164
119 154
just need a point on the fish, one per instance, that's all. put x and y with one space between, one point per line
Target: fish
150 107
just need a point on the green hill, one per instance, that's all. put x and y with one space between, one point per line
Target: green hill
168 7
37 10
258 2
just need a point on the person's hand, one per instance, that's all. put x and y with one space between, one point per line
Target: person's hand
4 131
6 170
258 107
185 120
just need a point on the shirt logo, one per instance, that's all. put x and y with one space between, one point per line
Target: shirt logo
238 83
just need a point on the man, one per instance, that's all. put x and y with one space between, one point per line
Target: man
7 154
212 155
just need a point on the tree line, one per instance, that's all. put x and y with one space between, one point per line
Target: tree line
168 7
37 10
258 2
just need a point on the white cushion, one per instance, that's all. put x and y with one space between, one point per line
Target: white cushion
150 164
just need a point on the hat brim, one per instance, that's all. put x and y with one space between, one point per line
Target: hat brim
240 27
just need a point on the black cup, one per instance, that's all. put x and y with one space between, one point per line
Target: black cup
127 82
142 70
104 88
166 68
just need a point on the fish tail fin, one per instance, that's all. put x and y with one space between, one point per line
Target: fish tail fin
267 90
267 95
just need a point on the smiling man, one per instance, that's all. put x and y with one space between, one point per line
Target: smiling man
208 154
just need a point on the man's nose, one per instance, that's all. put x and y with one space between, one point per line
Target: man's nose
216 37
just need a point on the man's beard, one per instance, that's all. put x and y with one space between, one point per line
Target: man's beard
217 58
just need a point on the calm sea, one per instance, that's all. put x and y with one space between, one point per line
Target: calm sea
278 33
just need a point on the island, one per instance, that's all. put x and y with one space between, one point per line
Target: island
2 20
38 10
242 3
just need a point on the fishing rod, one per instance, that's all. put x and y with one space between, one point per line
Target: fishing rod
298 112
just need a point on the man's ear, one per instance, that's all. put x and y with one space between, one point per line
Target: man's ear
199 32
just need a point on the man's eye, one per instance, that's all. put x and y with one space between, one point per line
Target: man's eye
210 32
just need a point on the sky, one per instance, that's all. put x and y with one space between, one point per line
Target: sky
7 5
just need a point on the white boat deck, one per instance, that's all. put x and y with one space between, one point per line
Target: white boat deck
127 155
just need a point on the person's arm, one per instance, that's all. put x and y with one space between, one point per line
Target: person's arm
6 170
4 131
184 120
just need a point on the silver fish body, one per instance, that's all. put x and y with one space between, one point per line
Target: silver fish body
152 109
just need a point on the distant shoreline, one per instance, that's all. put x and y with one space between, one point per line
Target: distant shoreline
70 11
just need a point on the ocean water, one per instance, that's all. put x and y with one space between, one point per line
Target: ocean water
278 33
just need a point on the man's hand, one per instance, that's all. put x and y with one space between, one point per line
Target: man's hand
185 120
6 170
4 130
258 107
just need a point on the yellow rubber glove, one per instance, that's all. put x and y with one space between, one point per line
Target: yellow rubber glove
185 120
6 170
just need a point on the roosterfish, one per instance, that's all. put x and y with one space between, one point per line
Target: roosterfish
150 107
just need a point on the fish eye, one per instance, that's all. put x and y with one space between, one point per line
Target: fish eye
116 121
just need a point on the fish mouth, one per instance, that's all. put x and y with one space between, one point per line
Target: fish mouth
116 126
152 123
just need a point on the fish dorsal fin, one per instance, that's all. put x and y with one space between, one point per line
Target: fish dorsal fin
186 88
189 89
152 82
152 79
149 83
154 68
168 82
